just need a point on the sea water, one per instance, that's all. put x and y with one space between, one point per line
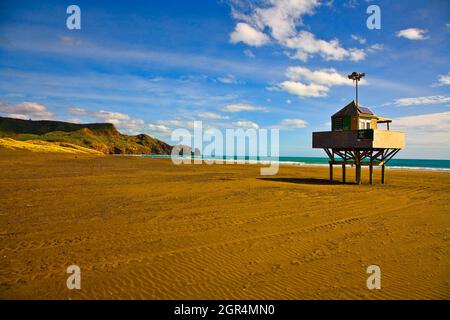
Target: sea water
412 164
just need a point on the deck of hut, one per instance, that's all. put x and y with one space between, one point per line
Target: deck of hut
357 140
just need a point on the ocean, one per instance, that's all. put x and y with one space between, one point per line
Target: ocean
393 163
411 164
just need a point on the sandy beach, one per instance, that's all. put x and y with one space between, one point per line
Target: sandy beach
143 228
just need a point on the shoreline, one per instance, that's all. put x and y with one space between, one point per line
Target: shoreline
287 163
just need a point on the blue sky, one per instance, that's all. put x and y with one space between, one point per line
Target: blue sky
152 66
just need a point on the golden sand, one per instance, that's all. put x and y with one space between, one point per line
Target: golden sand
45 146
144 228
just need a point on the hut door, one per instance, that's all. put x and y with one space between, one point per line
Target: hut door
347 123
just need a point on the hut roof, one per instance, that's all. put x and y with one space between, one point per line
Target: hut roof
352 110
384 120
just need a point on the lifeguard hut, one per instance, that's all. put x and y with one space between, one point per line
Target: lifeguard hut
357 139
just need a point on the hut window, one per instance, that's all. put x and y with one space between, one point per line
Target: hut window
338 123
364 124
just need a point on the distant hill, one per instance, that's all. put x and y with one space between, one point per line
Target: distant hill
103 137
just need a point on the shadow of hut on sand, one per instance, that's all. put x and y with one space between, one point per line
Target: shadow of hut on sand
305 181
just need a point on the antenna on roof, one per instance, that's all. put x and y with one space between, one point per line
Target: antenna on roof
356 76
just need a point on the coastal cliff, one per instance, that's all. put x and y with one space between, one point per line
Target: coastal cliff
103 137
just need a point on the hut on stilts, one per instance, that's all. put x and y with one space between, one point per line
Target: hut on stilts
357 139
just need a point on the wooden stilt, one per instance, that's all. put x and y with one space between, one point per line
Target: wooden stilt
331 171
358 174
343 173
359 158
358 167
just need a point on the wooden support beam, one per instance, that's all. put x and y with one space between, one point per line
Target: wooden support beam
365 154
331 172
360 157
358 166
358 174
343 173
344 155
371 167
328 153
379 153
391 155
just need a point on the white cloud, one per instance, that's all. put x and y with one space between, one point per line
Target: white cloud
17 116
281 18
351 3
375 47
243 32
288 101
311 83
172 123
25 110
245 124
249 53
159 128
121 120
293 123
164 128
77 111
438 99
110 116
357 54
134 126
444 79
70 41
212 115
242 107
433 121
327 77
303 90
360 39
228 79
427 132
107 116
290 124
413 34
306 44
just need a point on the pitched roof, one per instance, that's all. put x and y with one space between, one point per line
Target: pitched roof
352 110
